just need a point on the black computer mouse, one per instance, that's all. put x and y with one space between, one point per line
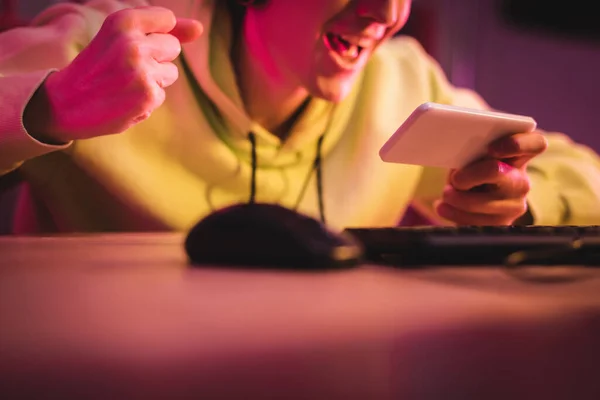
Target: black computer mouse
269 236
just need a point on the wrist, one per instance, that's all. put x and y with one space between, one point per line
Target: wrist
38 117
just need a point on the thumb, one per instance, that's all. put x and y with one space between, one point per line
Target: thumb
187 30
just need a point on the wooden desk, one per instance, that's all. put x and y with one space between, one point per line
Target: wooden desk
123 316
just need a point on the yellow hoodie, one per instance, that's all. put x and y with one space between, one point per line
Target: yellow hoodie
192 155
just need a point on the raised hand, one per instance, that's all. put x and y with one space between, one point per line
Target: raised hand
117 81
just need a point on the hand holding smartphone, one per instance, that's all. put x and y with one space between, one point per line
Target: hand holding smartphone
446 136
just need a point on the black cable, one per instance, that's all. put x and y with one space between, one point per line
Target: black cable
252 138
317 165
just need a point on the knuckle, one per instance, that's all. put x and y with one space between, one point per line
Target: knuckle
174 44
143 86
148 102
447 193
125 44
171 16
162 12
519 208
513 143
122 21
172 74
168 46
134 52
453 197
142 117
154 96
446 199
523 207
526 184
523 185
543 146
462 176
128 51
146 88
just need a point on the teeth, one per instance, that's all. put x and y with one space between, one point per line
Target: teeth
344 48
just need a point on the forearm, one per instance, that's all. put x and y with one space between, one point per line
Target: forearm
21 127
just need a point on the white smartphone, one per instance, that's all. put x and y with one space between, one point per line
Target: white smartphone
439 135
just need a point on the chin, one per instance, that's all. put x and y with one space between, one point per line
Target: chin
333 89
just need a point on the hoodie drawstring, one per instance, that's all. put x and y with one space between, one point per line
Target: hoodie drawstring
317 165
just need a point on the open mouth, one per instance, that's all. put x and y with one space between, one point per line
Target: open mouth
345 50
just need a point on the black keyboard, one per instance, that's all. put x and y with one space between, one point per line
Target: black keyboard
481 245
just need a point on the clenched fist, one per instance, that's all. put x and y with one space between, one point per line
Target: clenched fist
116 81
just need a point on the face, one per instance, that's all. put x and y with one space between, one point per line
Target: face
322 45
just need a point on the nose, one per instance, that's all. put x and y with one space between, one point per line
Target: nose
384 12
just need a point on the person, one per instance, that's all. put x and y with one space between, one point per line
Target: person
129 116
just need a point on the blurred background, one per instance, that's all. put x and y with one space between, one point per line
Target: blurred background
522 56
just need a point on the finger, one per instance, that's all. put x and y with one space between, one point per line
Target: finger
163 47
142 109
146 97
144 19
187 30
514 185
485 203
517 162
488 171
156 99
519 145
461 217
165 74
509 185
138 3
